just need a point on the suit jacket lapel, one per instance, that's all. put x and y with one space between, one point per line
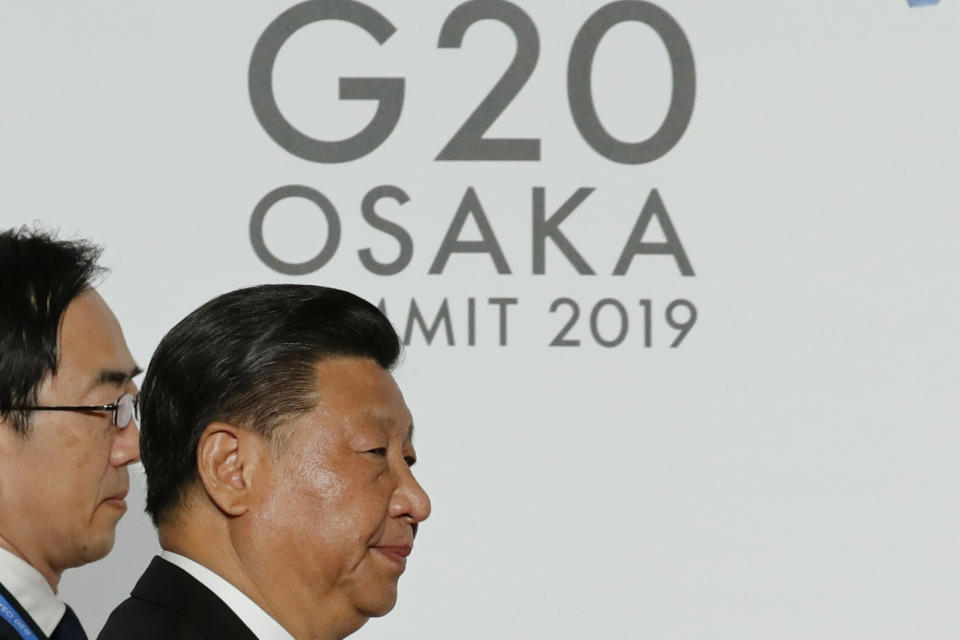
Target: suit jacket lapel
169 586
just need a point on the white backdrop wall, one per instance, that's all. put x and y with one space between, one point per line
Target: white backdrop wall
788 470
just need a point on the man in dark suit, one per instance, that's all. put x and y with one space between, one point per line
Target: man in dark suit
67 428
278 453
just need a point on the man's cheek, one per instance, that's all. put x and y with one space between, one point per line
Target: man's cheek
314 473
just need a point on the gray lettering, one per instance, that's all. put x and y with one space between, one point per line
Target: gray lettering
390 228
388 92
470 205
468 143
471 321
544 228
260 246
580 82
594 322
442 317
635 244
503 303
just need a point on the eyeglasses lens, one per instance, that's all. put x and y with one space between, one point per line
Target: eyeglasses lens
126 409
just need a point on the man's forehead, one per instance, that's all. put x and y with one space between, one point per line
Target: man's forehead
91 346
88 322
364 393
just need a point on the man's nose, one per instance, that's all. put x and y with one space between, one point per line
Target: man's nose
409 500
126 445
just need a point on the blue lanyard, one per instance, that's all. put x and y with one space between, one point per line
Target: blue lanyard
8 613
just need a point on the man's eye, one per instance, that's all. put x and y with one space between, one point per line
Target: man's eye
379 451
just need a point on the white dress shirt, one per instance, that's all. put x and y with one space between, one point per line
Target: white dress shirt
256 619
31 590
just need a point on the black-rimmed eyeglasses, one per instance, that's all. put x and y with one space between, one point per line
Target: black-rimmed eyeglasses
126 407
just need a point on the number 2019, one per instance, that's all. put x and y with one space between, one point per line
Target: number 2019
682 323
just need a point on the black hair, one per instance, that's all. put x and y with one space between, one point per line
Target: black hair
39 276
247 358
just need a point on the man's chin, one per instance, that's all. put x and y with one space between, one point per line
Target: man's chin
381 604
96 547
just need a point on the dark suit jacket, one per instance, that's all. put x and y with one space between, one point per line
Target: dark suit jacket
6 630
169 604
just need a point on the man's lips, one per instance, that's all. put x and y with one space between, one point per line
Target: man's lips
117 500
395 553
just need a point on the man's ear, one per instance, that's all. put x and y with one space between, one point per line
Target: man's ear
229 461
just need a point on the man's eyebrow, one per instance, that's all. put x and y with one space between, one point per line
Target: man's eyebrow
388 424
116 377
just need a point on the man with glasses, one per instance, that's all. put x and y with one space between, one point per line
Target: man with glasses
67 427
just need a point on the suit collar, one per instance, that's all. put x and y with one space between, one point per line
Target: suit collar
170 587
250 613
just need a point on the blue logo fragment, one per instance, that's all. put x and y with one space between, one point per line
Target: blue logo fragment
922 3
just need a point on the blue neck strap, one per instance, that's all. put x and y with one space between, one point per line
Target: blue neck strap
10 615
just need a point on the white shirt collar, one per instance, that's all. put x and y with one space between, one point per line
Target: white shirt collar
31 590
256 619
